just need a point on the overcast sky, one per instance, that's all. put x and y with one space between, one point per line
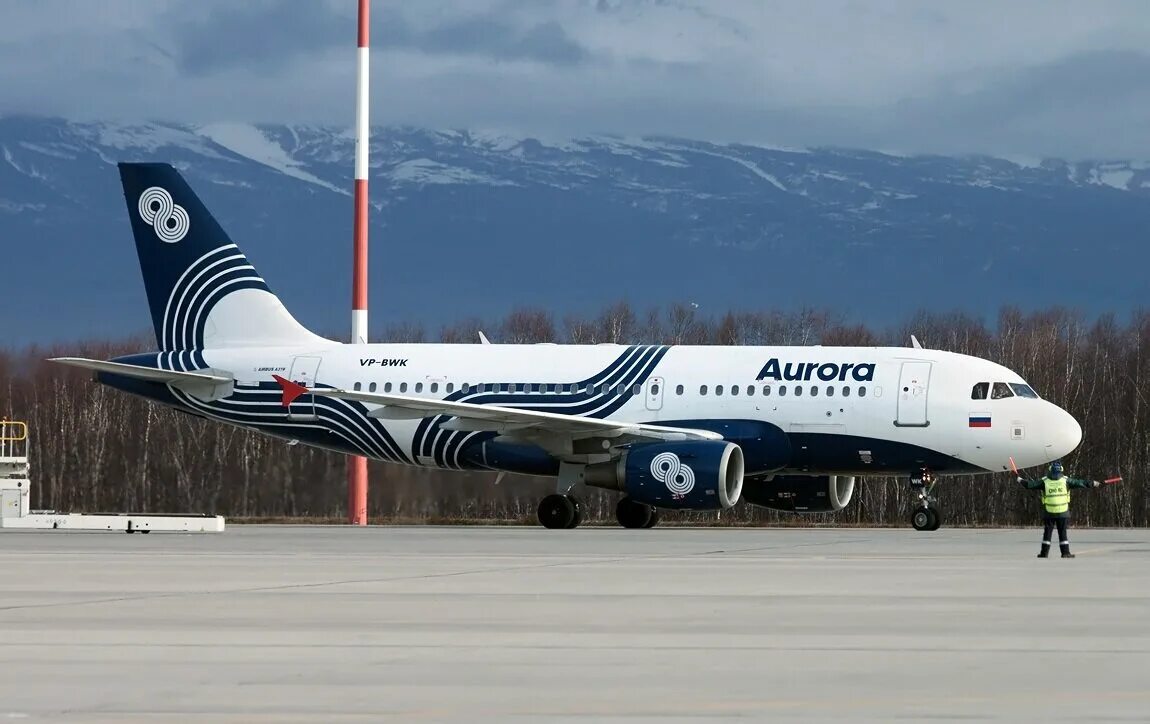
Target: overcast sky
1024 78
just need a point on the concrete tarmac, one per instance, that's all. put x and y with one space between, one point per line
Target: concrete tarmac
327 624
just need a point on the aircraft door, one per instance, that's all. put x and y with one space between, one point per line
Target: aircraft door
303 372
655 393
913 385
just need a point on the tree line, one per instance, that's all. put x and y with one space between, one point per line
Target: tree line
96 449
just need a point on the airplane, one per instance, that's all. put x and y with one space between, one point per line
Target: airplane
668 427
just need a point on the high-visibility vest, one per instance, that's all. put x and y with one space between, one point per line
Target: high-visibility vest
1055 495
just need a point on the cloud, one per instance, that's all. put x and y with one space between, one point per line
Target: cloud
486 36
1035 77
253 32
269 34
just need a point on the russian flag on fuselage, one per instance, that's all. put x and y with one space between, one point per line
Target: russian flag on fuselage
980 419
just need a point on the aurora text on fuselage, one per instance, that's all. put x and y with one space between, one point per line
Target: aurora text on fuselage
825 371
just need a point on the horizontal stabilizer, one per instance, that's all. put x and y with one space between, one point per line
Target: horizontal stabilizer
205 385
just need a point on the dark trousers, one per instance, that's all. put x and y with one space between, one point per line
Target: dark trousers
1048 525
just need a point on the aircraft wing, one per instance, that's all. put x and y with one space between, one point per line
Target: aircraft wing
204 384
496 418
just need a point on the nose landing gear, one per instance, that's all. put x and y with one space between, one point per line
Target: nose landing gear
925 515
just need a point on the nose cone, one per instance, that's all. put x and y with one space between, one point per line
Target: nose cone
1064 435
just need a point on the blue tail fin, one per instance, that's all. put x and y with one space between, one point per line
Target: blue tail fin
202 290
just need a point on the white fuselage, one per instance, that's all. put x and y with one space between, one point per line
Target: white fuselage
838 406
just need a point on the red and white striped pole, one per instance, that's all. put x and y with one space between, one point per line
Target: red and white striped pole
357 465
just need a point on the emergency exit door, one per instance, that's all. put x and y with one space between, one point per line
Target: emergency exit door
303 372
655 393
913 386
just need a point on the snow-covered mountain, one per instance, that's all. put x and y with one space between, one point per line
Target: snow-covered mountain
468 224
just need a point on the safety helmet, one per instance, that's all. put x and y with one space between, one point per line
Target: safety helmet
1056 469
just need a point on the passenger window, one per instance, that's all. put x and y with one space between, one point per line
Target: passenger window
435 387
766 390
978 392
718 389
403 387
678 389
371 387
465 388
419 387
358 386
862 392
814 391
846 391
386 387
1000 391
782 390
450 387
702 389
798 390
636 390
734 389
655 389
830 391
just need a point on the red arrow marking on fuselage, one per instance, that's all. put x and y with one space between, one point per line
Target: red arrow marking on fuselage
291 390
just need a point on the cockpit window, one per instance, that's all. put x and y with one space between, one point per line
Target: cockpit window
979 391
1023 390
1000 390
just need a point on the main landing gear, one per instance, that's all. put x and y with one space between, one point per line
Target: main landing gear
560 511
924 515
566 511
633 514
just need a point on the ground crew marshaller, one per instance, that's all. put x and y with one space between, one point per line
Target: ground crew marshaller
1055 489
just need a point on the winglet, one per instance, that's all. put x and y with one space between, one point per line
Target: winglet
291 390
914 342
483 338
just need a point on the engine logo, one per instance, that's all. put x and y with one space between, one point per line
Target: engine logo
159 211
669 470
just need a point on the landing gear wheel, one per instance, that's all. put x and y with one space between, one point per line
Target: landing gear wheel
936 521
556 511
577 518
633 514
923 519
654 521
924 516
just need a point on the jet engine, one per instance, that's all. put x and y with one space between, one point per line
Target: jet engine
801 493
697 475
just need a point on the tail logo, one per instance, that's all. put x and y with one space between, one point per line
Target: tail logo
159 211
670 471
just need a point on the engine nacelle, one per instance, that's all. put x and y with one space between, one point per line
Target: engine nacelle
801 493
702 475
